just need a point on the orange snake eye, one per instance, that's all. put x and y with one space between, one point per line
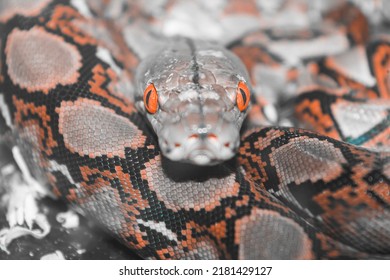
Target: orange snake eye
243 96
151 99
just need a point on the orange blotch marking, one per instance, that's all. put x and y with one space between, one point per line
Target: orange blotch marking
328 245
62 18
98 86
220 232
318 120
45 133
130 209
381 64
352 20
165 254
346 83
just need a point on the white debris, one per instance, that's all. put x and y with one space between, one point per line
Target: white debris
29 179
82 7
57 255
286 123
4 111
7 235
7 170
271 113
105 55
21 201
355 64
68 219
81 251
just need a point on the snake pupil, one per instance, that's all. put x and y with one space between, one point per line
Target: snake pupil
148 96
242 96
151 99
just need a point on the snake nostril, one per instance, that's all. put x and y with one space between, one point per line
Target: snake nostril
193 136
227 144
177 145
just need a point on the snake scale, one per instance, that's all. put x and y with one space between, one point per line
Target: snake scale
315 189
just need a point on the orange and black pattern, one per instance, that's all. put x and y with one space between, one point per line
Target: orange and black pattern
289 193
344 108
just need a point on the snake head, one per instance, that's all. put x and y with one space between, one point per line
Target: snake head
195 101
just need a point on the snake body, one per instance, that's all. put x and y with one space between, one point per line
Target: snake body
289 193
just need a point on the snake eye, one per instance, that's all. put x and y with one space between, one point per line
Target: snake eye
243 96
151 99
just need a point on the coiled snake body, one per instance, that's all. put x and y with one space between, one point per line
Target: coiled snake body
288 193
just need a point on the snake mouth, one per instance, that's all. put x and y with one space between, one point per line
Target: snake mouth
198 151
202 157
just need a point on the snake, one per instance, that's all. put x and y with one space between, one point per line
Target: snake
169 143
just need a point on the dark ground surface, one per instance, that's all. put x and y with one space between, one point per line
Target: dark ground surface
86 242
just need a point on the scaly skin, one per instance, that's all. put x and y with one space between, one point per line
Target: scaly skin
289 193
